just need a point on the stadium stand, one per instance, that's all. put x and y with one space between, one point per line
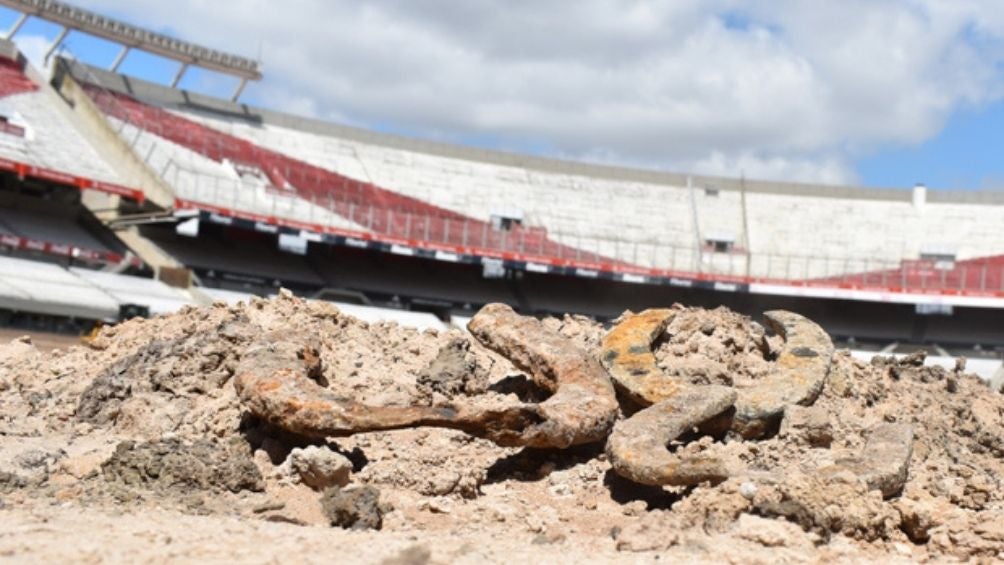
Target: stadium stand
234 253
47 220
43 288
405 224
38 138
154 295
12 79
362 203
49 223
554 214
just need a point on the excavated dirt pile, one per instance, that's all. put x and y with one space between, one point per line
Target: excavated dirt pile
285 429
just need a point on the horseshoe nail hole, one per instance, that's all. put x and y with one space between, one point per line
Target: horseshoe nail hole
623 491
717 428
532 464
660 340
524 389
278 443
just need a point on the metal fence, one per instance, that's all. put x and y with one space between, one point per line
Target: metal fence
261 197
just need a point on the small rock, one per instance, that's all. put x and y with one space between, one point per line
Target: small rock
437 505
960 364
320 467
807 424
453 372
355 508
747 490
917 518
180 466
560 490
951 385
635 508
268 507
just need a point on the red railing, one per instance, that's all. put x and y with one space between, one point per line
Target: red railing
376 208
91 256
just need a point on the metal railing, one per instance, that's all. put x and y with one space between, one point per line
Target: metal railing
328 212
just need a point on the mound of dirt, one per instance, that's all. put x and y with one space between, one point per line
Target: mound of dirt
146 420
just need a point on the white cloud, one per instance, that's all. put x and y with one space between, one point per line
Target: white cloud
780 89
34 47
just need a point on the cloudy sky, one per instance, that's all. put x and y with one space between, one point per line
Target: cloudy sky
884 93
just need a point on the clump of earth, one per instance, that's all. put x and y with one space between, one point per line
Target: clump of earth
137 447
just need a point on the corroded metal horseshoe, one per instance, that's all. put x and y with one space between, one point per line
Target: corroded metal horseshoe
797 376
582 407
638 445
273 381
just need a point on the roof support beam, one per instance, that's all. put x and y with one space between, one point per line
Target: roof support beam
93 23
239 90
181 73
17 26
118 59
55 44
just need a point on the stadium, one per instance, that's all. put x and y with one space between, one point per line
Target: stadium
124 198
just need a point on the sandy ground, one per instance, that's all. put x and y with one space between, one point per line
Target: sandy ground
137 447
42 340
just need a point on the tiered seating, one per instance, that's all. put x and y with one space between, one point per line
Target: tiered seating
42 288
52 228
363 203
720 228
56 227
36 131
794 232
985 274
158 297
647 223
12 79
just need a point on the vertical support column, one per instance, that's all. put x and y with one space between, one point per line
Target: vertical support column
746 226
16 27
118 59
697 228
181 73
55 44
239 90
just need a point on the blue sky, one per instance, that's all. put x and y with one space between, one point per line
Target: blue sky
968 153
768 96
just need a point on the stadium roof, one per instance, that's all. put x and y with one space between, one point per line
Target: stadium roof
132 37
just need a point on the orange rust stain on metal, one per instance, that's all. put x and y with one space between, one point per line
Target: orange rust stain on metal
626 353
